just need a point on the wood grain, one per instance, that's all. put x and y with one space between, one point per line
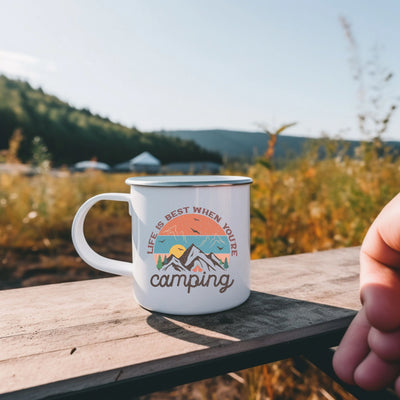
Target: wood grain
64 338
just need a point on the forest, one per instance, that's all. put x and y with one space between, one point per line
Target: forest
71 135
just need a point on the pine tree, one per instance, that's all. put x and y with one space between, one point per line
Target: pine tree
226 265
159 262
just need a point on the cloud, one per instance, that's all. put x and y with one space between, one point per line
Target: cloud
22 65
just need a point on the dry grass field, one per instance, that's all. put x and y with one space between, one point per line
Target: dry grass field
310 205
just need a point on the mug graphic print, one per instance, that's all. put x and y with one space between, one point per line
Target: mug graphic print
190 242
193 250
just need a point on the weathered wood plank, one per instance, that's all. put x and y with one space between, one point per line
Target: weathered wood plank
327 277
66 304
160 374
73 336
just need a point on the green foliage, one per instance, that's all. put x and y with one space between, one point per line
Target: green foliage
72 135
316 204
40 154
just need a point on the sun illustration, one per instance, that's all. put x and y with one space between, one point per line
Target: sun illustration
177 250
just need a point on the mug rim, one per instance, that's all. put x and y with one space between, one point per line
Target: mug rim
188 180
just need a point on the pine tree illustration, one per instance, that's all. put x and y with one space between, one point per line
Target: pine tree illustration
159 262
226 265
165 260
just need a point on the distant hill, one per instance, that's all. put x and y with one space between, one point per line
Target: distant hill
72 134
236 145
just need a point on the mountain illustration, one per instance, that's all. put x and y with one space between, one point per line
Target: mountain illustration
173 263
190 258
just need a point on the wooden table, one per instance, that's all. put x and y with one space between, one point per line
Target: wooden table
91 338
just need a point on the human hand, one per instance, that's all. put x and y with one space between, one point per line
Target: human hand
369 353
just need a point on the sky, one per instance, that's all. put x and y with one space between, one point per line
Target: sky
207 64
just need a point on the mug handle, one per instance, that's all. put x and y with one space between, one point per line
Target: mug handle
81 245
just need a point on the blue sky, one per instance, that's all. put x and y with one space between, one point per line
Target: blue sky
201 64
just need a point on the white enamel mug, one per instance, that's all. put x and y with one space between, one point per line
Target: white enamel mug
190 242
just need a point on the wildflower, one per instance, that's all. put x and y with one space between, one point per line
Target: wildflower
31 215
310 173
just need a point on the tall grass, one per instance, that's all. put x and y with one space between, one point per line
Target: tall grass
310 205
318 204
38 211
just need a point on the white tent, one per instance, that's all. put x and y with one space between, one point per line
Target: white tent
85 165
145 162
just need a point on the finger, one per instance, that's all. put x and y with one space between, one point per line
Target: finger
353 348
380 269
381 301
375 374
380 283
397 386
381 245
385 344
382 241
